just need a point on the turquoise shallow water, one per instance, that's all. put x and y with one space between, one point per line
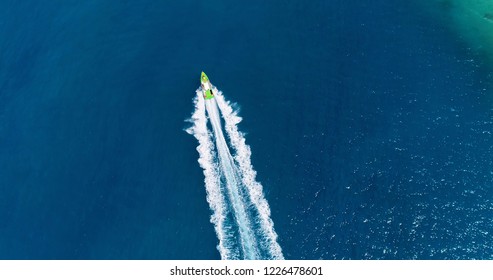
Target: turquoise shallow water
369 126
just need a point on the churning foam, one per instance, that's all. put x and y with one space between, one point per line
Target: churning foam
207 160
248 174
239 182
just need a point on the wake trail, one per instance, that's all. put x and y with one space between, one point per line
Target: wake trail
232 179
243 158
212 178
241 214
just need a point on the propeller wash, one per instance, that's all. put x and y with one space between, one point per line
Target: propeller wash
240 213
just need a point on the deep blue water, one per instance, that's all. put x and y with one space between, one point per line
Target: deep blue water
369 123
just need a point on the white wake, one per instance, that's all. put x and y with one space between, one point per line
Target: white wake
240 213
207 161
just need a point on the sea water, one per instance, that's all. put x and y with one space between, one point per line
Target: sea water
369 125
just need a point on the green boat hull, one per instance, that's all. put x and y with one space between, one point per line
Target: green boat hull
206 86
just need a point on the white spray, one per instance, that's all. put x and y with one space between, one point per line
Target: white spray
238 174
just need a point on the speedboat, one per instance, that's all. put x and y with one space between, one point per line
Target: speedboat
206 86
